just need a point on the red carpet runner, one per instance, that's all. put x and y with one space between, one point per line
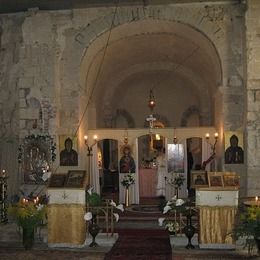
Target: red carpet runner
141 244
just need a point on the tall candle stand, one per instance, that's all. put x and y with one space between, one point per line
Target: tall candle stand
3 198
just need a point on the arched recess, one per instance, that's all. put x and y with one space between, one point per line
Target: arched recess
123 113
199 68
192 110
89 40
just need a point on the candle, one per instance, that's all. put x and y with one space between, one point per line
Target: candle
256 198
207 135
34 201
95 137
216 135
24 200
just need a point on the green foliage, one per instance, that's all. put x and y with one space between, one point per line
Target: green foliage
27 214
94 199
247 226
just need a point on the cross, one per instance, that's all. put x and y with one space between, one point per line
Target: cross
64 196
218 197
151 120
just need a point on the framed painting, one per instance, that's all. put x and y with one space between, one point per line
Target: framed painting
36 154
75 179
231 180
234 150
175 158
68 150
199 179
57 180
215 179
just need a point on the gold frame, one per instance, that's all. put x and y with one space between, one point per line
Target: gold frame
57 180
75 179
231 179
195 174
215 179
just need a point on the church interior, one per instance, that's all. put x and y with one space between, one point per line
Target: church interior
127 117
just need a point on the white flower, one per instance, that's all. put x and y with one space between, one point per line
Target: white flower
168 203
45 176
116 216
120 207
166 209
90 190
39 207
112 203
179 202
160 221
174 197
88 216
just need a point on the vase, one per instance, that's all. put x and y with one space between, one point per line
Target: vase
28 237
257 242
189 231
93 230
127 197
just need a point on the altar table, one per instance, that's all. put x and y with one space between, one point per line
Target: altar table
147 182
217 210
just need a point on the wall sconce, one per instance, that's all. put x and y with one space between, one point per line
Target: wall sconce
213 146
89 147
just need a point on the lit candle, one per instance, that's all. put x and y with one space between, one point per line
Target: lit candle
3 173
216 135
256 198
34 201
207 135
85 137
37 198
24 200
95 137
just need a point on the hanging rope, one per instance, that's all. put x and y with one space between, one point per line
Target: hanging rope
99 70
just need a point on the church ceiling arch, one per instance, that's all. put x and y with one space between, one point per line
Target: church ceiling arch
152 42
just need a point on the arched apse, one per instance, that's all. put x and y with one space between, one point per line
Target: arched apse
174 59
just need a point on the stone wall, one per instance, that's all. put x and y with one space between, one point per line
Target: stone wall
46 58
253 96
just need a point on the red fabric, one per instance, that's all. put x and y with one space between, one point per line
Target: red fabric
141 244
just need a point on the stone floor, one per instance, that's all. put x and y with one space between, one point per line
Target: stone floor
11 247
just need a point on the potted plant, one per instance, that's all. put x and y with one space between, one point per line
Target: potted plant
28 214
247 227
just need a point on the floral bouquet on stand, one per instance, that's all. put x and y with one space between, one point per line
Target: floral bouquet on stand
96 207
177 181
28 215
127 181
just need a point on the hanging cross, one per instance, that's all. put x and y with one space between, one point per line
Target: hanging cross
218 198
151 120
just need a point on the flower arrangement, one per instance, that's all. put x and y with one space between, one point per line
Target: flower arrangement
128 180
172 226
28 214
177 181
248 227
94 201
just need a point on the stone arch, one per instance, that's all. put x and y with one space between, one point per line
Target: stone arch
191 111
88 35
